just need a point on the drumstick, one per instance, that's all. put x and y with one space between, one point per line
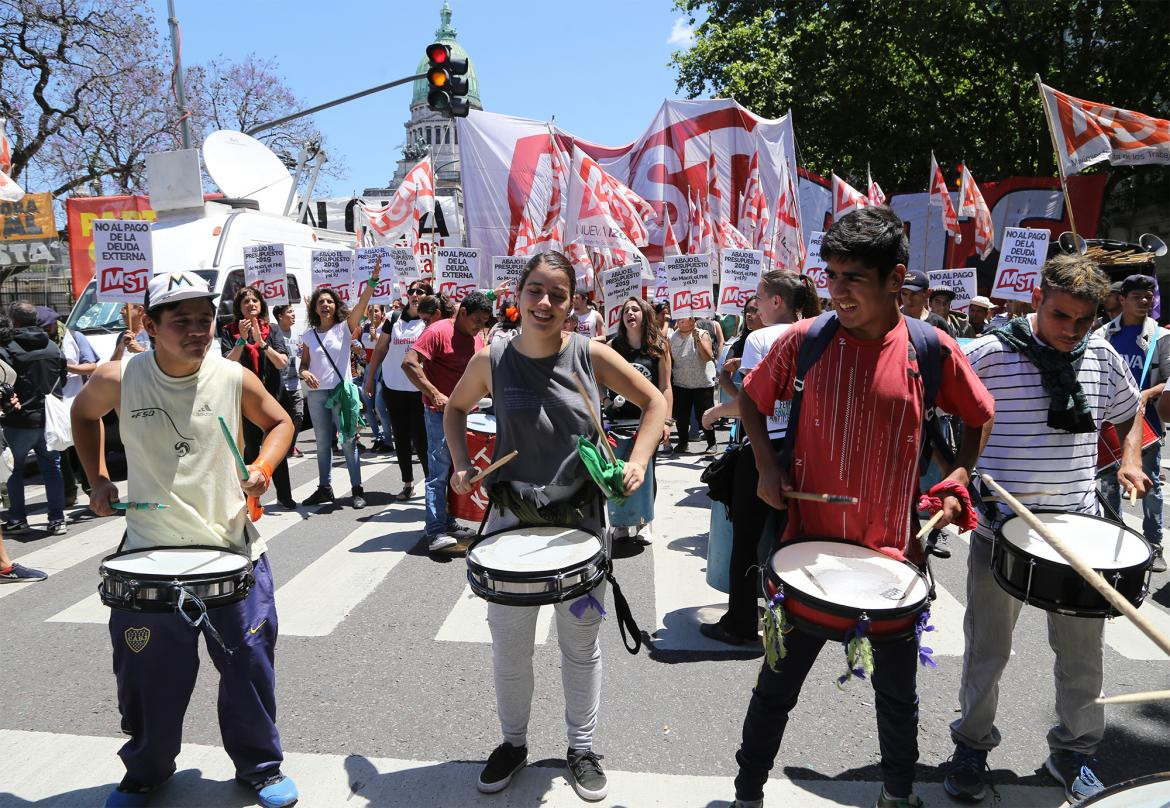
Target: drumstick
488 469
813 578
1093 577
934 520
1132 497
1135 698
839 499
594 417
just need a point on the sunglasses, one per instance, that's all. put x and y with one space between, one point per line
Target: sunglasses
415 292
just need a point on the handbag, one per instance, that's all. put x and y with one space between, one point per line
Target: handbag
719 476
58 427
344 398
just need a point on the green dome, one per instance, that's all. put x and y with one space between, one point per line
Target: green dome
445 33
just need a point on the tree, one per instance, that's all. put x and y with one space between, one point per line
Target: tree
884 82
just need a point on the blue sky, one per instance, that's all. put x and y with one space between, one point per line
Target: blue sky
600 68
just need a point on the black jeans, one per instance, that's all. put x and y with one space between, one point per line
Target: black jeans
686 399
775 694
749 515
410 431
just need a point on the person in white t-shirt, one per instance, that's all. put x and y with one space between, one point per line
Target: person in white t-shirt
782 298
589 321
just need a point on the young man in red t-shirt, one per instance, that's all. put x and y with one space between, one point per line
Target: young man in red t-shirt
434 364
858 435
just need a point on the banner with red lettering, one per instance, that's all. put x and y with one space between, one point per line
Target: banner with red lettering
457 271
124 261
333 269
741 276
365 260
688 277
1021 259
80 213
618 286
264 271
814 266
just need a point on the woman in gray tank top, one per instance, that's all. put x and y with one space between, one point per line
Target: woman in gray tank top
540 413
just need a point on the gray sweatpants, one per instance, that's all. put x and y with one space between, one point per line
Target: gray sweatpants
987 631
513 631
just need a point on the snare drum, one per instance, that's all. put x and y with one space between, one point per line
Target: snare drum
1109 447
533 566
1151 791
152 580
830 584
481 443
1030 570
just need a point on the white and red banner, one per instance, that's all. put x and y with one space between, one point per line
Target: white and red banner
688 279
264 271
9 190
618 286
123 260
405 265
508 268
741 275
846 198
1087 132
1021 258
960 281
814 267
941 198
661 287
333 269
784 248
401 216
456 271
602 213
972 206
366 259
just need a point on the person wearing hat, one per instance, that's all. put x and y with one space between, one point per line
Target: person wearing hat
977 313
940 301
1146 351
178 457
1111 306
914 288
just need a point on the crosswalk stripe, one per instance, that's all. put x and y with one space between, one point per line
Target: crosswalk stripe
467 621
1125 638
73 770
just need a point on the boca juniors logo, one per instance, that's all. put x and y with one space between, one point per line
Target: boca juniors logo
137 638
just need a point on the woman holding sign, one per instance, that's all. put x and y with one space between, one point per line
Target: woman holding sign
325 352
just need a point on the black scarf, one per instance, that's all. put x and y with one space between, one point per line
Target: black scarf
1068 408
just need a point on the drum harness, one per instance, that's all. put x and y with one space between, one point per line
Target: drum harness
929 355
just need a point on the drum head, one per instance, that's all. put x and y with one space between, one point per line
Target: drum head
175 561
479 422
534 549
1102 544
1152 791
849 575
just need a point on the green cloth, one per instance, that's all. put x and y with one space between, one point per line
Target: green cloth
607 476
346 401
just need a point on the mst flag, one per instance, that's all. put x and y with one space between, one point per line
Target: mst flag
972 206
1086 132
415 196
846 198
874 191
940 198
601 211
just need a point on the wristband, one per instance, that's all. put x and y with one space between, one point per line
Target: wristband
262 346
241 342
262 467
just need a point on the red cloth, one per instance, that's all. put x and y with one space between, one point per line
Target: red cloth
250 358
447 350
859 431
931 502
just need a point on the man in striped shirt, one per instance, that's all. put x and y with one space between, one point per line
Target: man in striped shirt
1054 385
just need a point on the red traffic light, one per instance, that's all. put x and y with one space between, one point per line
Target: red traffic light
438 53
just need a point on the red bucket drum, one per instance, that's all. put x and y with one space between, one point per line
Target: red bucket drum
481 442
1109 448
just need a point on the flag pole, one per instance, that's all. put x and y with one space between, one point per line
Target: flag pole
1072 222
926 219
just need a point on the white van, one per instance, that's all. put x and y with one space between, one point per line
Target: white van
210 241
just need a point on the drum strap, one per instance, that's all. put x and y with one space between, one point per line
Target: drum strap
626 623
187 597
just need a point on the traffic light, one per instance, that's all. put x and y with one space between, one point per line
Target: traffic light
448 90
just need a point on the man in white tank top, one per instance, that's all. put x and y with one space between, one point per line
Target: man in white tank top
174 397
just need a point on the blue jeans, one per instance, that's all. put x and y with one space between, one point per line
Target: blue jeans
325 427
372 406
21 441
1151 503
439 460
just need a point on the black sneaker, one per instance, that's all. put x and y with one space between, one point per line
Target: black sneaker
12 526
966 778
502 765
586 775
716 631
1159 562
359 497
322 496
57 528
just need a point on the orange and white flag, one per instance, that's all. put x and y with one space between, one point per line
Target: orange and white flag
941 198
1087 132
414 197
785 247
972 206
846 198
874 191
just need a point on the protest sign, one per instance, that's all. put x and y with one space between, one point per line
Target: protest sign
457 271
741 276
814 267
1021 257
264 271
960 281
405 265
619 285
123 260
660 291
334 269
508 268
365 260
688 278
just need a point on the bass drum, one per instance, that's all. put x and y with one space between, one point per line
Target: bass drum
1151 791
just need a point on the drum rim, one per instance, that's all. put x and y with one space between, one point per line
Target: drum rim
592 579
1120 788
522 577
836 609
1040 511
106 572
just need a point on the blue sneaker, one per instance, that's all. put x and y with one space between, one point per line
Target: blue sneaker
1073 772
129 794
277 791
20 574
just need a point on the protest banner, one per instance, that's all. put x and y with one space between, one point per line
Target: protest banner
660 287
619 285
814 267
405 265
30 217
123 260
264 271
457 271
365 259
1021 257
508 268
688 278
334 269
960 281
741 276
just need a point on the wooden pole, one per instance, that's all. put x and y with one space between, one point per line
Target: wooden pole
1072 222
1093 577
593 416
1135 698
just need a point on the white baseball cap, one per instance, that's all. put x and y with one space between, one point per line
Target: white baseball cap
980 300
175 287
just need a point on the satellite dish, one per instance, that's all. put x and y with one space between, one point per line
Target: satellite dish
1071 243
244 167
1151 243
